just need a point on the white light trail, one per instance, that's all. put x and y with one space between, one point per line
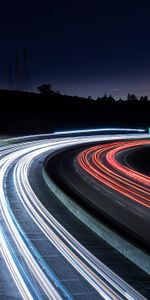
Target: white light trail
81 259
123 130
13 268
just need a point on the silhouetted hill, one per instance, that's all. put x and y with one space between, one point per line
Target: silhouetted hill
23 112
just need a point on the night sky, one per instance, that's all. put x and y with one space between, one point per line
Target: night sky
81 47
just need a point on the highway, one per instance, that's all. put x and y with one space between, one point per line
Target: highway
121 178
22 210
93 179
102 163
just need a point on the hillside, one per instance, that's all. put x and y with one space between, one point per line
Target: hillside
32 112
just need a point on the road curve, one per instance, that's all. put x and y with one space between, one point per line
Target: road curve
100 162
25 263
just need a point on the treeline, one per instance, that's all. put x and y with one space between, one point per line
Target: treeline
22 112
46 89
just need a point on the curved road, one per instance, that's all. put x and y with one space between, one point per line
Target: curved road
21 212
101 163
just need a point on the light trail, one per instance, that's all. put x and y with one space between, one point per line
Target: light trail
99 130
21 177
108 285
101 163
26 252
13 266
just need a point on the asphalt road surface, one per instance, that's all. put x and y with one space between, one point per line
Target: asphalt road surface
42 257
92 176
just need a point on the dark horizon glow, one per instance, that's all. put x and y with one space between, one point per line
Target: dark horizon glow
81 48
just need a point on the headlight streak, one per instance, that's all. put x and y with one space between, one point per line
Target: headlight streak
54 238
124 130
100 162
47 270
33 203
45 228
14 267
26 252
17 150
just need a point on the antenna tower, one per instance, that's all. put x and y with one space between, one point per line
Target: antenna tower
27 85
18 80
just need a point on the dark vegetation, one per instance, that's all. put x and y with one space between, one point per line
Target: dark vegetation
23 113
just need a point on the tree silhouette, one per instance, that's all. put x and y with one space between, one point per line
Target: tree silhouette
132 97
144 99
46 89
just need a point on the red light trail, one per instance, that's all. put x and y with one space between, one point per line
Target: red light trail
101 163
